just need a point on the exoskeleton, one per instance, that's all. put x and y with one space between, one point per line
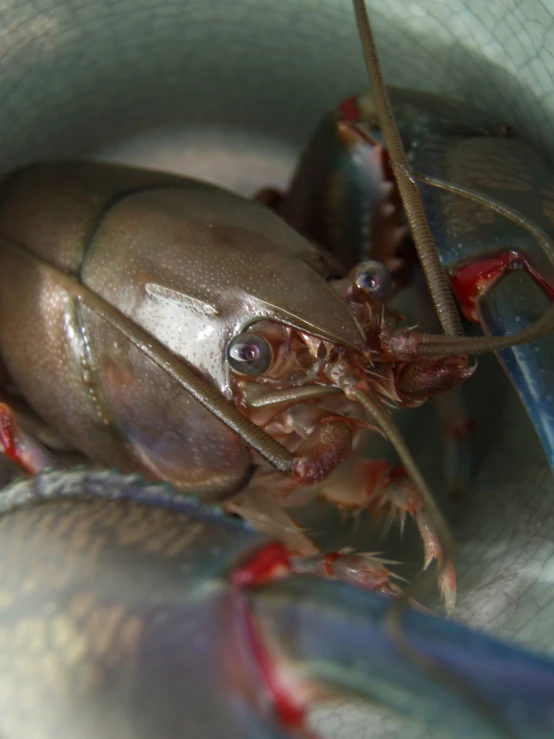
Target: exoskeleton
165 326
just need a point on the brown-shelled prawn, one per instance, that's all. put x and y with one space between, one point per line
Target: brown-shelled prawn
165 326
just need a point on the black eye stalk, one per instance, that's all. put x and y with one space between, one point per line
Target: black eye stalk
249 354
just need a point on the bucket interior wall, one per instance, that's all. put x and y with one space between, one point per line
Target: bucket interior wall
230 92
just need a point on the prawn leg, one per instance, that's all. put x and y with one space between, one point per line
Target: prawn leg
388 495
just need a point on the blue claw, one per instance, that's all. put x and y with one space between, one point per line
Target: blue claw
156 616
334 197
513 303
335 635
520 283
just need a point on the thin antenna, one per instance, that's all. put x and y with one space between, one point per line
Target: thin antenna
435 276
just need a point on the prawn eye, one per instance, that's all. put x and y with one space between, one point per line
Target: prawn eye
374 279
249 354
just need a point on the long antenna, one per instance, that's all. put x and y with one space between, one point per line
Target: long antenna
435 276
